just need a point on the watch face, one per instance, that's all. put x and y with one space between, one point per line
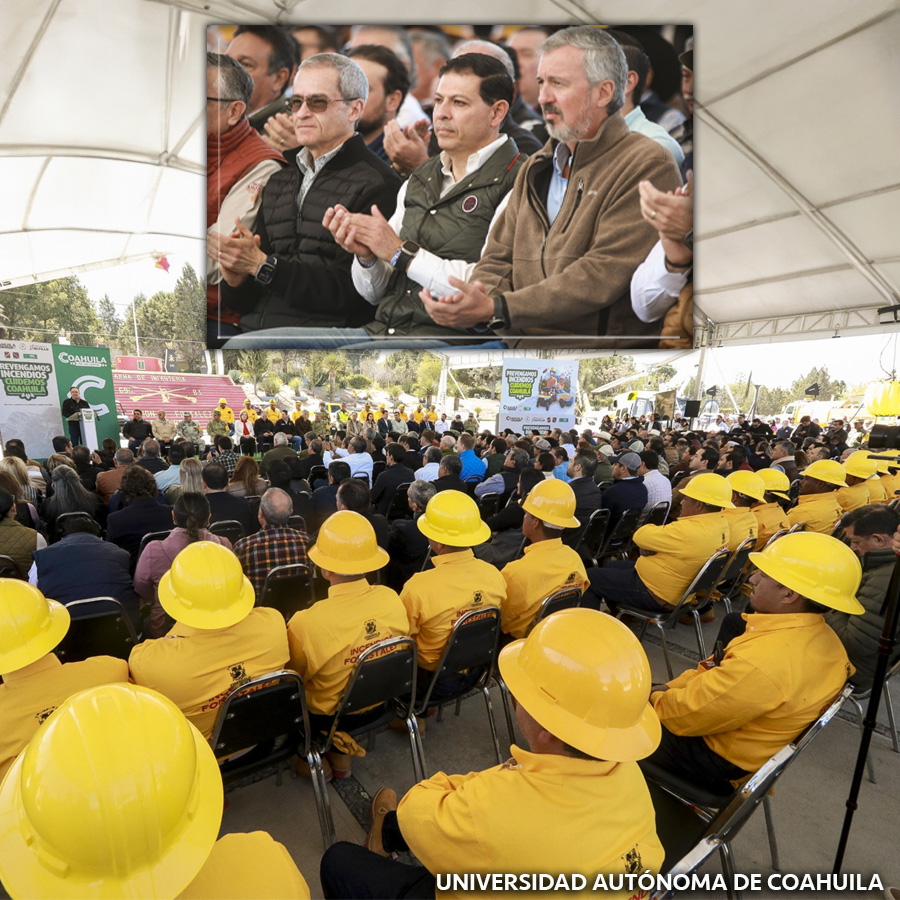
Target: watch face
266 271
410 247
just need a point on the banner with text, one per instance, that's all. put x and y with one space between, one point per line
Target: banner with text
90 370
538 394
29 404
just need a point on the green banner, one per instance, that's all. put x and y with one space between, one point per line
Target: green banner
90 370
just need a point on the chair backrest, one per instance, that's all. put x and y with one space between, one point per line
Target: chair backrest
572 537
99 627
564 598
595 534
838 530
739 559
172 493
800 526
228 528
707 578
794 490
473 479
399 508
619 538
62 517
253 501
473 642
489 505
658 513
780 533
8 568
378 466
264 708
288 589
513 497
150 537
298 523
317 473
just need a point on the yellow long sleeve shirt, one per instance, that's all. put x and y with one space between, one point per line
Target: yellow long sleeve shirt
326 639
538 812
775 679
436 598
852 497
546 567
227 414
680 549
770 519
742 524
876 491
820 512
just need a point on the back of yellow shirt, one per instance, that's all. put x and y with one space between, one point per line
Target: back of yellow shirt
742 524
681 548
853 496
197 669
820 512
770 519
876 490
436 598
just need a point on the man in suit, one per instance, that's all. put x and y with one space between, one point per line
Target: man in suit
407 545
222 505
581 479
325 498
627 492
394 474
448 475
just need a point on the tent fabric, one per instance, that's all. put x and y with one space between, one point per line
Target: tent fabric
798 175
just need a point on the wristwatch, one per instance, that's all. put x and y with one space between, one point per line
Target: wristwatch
266 272
689 240
500 319
402 258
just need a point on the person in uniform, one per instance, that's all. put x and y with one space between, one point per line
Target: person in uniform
548 565
227 414
219 641
817 506
574 801
189 430
252 414
35 682
671 555
326 639
858 469
723 720
124 796
770 515
217 425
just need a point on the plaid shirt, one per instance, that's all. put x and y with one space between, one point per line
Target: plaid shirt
271 546
229 459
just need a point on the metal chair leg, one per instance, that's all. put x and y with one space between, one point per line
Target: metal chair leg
504 696
320 791
665 646
416 748
701 644
490 711
890 711
870 765
728 868
770 828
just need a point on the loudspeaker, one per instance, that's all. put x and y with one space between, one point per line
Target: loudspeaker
691 409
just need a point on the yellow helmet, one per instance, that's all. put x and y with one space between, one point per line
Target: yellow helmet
828 470
707 487
584 676
776 482
346 545
816 566
884 465
552 501
206 587
247 402
116 795
453 518
30 625
860 465
747 483
222 400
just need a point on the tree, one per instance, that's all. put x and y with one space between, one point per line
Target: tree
599 370
189 317
43 312
334 365
109 318
828 388
254 364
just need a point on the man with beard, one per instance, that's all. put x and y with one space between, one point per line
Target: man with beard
388 83
576 286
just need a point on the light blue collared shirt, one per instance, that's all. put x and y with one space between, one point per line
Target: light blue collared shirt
558 183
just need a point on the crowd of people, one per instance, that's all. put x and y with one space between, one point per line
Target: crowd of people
395 192
406 532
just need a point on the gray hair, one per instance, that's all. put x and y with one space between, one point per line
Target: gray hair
277 507
352 81
124 457
420 492
448 442
233 79
279 439
603 58
434 45
488 49
433 455
520 457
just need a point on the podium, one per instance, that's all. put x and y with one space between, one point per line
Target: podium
88 420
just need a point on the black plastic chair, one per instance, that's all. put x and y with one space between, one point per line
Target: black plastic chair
692 823
64 517
702 585
564 598
657 514
378 466
150 538
288 589
489 505
317 474
228 528
99 627
298 523
737 571
253 501
269 715
9 569
572 537
594 536
474 641
619 538
399 508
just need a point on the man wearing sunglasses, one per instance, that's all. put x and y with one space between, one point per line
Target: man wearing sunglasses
290 272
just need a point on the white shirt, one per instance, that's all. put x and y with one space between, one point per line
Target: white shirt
426 268
659 488
428 472
360 464
653 287
441 426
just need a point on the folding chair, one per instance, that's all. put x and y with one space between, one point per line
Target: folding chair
288 588
572 537
377 468
8 568
794 491
594 537
700 588
99 627
693 823
385 673
858 697
298 523
399 508
781 533
800 526
63 517
657 514
489 505
253 501
228 528
736 571
564 598
473 643
269 715
618 541
150 537
317 473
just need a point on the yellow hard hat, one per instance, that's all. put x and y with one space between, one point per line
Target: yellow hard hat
707 487
222 400
552 501
884 464
817 566
584 676
346 545
206 587
860 465
828 470
776 482
247 402
747 483
452 518
30 625
116 795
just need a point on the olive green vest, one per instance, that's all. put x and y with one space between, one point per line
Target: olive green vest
454 226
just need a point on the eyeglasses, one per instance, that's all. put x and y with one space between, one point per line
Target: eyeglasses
315 104
225 99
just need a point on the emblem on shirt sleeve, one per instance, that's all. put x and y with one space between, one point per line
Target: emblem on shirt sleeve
477 598
238 673
633 864
370 628
470 203
42 715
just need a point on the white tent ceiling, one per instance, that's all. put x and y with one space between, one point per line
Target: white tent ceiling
798 193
